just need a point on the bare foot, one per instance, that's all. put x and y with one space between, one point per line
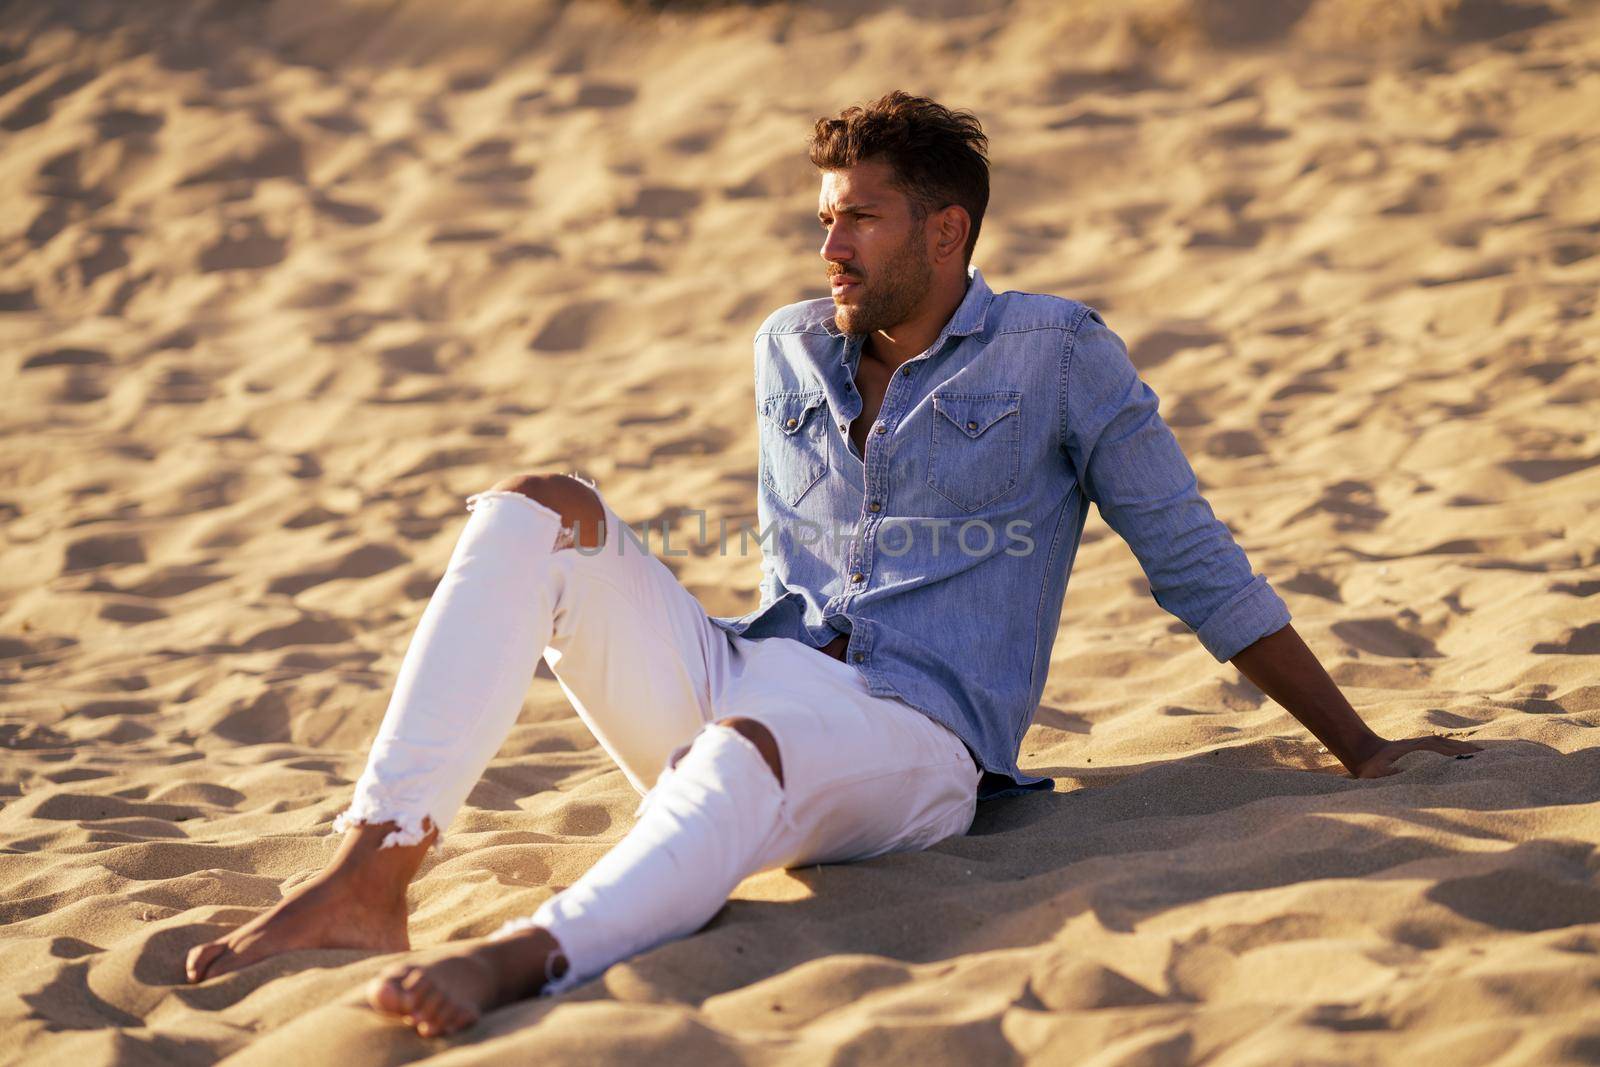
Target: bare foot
358 902
453 990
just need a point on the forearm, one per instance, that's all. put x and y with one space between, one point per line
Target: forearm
1281 666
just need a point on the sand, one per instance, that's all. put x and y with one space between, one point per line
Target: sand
282 283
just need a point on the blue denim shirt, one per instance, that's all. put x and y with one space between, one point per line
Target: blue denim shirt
944 551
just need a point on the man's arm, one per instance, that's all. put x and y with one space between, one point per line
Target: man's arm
1130 464
1281 666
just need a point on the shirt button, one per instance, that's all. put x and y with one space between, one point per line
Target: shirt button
882 428
970 425
905 370
859 656
856 577
873 506
841 426
792 422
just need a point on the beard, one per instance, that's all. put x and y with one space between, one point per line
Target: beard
889 297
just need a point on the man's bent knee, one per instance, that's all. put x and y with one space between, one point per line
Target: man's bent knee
761 737
577 503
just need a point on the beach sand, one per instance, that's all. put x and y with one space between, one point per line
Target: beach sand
282 283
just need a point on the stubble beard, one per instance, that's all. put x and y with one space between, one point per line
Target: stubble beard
903 281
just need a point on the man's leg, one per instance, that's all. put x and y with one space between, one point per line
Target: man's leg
516 588
824 771
709 822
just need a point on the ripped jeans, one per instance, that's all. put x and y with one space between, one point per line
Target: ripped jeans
650 675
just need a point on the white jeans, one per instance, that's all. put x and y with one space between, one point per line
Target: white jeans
650 675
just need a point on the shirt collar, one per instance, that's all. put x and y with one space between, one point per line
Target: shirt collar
968 318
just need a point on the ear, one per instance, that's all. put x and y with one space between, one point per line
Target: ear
950 238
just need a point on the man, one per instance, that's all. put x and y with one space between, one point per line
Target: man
928 451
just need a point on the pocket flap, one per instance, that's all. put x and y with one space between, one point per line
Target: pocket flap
974 413
789 411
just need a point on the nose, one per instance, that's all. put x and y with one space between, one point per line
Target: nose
835 249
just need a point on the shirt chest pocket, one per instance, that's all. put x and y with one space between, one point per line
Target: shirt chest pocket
975 446
794 442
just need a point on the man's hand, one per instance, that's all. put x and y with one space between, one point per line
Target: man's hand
1381 763
1282 667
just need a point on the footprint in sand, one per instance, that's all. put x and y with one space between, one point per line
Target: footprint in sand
364 562
341 122
419 357
125 122
1583 589
1583 641
1382 637
1352 503
77 807
260 720
130 613
604 95
99 709
523 250
694 143
452 235
12 300
321 294
104 550
38 105
1543 470
499 173
308 631
569 329
1158 346
67 357
249 155
245 246
1312 584
1244 134
347 213
1234 444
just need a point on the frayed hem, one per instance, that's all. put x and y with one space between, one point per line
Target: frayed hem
411 829
552 985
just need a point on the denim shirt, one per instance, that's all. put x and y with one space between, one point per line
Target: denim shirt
944 551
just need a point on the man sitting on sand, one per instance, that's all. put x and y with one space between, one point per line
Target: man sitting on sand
928 452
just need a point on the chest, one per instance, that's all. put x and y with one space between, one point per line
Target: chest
948 435
872 382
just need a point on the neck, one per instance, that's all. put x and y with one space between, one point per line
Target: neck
910 338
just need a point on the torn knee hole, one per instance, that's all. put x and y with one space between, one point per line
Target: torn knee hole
572 497
758 735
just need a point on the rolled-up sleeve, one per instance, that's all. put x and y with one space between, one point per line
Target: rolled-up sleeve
1130 464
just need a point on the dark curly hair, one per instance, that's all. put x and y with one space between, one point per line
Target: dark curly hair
938 156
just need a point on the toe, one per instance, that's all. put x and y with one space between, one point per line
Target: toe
201 957
450 1018
414 986
386 994
428 1004
463 1018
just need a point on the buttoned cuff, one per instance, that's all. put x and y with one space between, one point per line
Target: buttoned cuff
1249 615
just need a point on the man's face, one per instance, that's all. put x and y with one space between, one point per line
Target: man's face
877 251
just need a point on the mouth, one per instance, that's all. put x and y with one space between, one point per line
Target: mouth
843 284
